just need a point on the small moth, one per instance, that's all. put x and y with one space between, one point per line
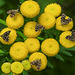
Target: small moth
5 36
12 12
37 63
38 27
65 21
72 36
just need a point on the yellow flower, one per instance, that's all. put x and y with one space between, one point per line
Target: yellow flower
30 9
32 44
17 67
65 42
16 22
50 47
6 67
69 26
38 56
47 20
18 51
26 65
12 36
54 9
29 29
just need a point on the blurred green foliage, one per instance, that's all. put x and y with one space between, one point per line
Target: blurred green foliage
60 68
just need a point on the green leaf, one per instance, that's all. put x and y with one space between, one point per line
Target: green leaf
25 73
70 49
19 39
49 64
59 57
7 59
1 51
21 34
2 22
66 53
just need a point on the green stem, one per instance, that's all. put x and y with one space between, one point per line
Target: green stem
21 34
2 22
40 38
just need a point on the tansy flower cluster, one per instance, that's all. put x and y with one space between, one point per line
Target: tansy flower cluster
31 47
16 67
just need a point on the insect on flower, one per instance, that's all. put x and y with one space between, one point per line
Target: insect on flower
72 36
12 12
37 63
65 21
5 36
38 27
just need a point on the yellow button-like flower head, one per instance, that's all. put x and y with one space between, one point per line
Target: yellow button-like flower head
50 47
26 65
47 20
6 38
6 67
61 27
38 56
17 67
30 9
54 9
18 51
32 44
65 42
15 22
29 29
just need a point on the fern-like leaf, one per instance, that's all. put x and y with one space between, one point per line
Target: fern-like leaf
59 57
66 52
49 64
69 49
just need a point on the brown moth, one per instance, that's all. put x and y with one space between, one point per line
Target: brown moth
38 27
5 36
12 12
65 21
72 36
37 63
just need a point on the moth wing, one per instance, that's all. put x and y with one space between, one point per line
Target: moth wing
6 33
5 36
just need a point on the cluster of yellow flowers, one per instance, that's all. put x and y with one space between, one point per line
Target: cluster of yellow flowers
49 47
16 67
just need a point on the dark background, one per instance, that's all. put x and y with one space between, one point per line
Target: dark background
68 7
